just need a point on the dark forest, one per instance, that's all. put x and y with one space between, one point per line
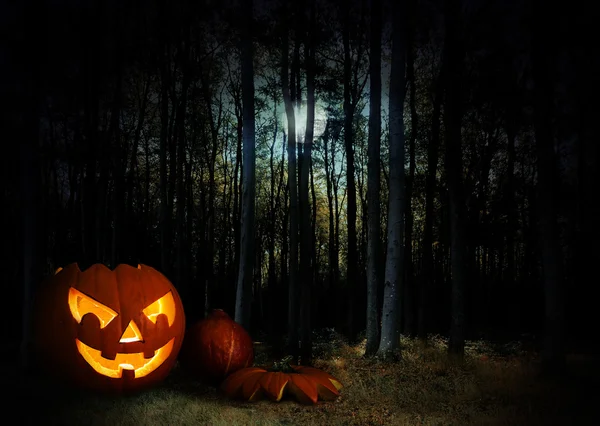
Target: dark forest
362 185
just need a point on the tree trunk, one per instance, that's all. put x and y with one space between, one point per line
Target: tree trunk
285 219
374 184
224 246
553 352
511 225
181 195
165 214
394 271
314 254
410 296
284 211
428 275
271 233
245 275
236 185
30 192
329 177
293 194
306 234
336 253
133 167
352 259
89 194
172 175
208 275
453 56
119 245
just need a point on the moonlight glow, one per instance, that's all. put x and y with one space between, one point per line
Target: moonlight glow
300 115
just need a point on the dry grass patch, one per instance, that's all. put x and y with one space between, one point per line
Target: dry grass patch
493 386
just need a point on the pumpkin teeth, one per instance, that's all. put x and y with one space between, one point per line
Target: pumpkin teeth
149 353
111 355
127 374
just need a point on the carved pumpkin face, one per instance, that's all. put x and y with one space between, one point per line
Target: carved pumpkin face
109 330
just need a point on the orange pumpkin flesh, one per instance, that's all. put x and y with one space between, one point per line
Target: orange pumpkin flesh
215 347
306 384
110 330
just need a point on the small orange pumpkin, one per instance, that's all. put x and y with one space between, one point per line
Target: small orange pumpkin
215 347
306 384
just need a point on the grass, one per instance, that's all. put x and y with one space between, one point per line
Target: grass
494 386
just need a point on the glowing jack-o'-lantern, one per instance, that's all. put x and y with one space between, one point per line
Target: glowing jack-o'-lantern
109 330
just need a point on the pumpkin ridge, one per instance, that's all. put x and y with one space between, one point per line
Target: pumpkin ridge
304 388
283 382
231 347
251 385
323 377
232 385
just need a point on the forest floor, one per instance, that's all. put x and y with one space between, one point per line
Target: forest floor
496 385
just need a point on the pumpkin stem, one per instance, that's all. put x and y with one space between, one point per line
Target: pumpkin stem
283 365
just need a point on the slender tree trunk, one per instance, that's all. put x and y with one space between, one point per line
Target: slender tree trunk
282 208
336 252
224 245
172 143
374 184
511 226
588 175
410 291
119 245
394 271
352 263
30 193
271 233
181 162
147 216
244 281
305 214
477 211
453 56
236 185
91 211
189 220
164 135
133 163
329 184
293 193
257 320
285 218
553 352
210 220
336 237
314 254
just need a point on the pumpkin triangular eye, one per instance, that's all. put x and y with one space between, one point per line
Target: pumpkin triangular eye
81 304
165 305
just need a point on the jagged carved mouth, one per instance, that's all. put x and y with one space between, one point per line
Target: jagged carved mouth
114 367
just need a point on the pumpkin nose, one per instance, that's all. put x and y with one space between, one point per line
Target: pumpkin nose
131 334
